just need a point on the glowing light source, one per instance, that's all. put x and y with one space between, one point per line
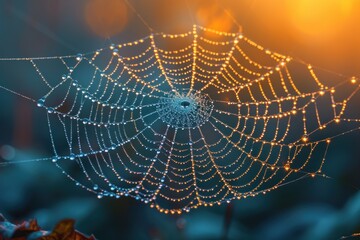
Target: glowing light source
319 17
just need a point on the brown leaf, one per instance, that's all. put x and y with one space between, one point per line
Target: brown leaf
64 230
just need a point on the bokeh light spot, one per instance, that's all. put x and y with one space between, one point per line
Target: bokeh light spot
106 17
211 16
7 152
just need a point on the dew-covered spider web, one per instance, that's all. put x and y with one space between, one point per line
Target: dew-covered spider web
186 120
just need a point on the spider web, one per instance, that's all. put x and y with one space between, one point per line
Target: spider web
186 120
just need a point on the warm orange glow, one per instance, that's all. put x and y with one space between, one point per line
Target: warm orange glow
211 16
287 167
106 17
321 16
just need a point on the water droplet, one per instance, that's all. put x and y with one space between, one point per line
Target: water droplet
79 57
50 110
40 102
86 121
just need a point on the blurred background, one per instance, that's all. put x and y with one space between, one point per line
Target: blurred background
324 33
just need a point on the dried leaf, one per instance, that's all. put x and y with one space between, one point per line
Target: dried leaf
64 230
